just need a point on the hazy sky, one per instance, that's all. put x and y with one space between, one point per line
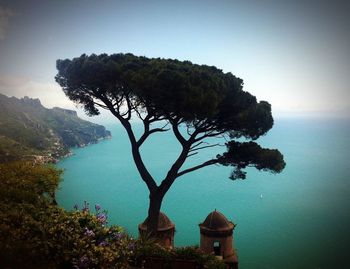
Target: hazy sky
294 54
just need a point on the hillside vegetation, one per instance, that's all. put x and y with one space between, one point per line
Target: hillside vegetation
28 130
35 233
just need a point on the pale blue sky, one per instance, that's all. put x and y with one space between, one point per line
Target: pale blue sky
294 54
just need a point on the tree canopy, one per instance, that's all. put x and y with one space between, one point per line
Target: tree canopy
202 100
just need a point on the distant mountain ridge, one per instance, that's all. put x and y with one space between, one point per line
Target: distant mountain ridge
28 130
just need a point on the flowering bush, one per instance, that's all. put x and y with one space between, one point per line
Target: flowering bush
89 243
35 233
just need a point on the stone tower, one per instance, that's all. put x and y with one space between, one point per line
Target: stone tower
217 238
165 232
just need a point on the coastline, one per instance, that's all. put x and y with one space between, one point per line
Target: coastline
61 152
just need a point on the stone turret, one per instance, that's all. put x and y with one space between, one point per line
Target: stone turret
165 232
216 237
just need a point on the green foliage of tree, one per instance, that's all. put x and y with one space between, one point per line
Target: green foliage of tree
196 102
35 233
28 183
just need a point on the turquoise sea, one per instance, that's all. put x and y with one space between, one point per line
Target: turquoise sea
301 221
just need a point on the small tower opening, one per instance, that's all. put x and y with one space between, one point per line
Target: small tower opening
217 248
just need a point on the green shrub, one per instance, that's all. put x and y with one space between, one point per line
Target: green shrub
146 248
35 233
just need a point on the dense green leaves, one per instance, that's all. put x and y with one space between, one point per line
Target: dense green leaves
243 154
168 88
26 183
35 233
175 258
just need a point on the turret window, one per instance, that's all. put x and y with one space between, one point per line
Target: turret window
217 248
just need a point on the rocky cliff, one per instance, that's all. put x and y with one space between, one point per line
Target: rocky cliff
28 130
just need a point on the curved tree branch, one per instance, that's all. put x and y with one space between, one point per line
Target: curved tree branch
194 168
144 173
178 135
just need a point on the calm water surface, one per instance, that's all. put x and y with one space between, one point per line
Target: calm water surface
302 221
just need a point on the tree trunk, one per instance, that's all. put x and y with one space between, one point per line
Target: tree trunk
153 212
